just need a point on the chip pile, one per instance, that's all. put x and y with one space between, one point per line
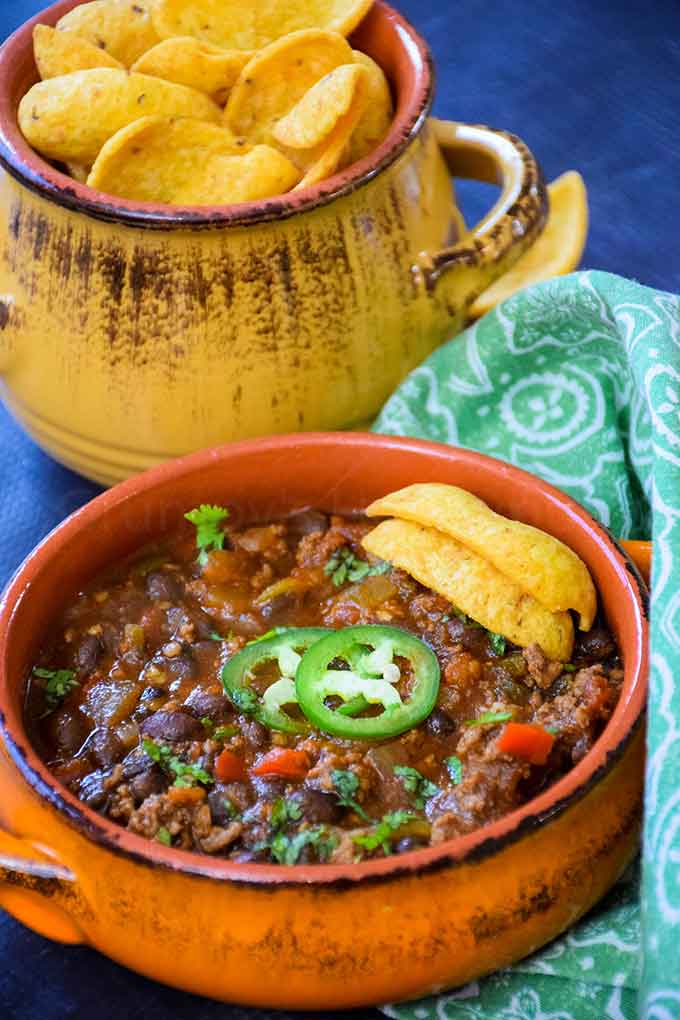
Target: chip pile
512 578
205 102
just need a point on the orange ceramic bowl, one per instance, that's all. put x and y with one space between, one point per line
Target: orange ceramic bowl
322 936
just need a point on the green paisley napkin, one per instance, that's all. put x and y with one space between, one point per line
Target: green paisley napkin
578 381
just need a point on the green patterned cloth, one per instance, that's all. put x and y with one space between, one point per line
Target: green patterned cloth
578 381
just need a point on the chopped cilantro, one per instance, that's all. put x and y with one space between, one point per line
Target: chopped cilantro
224 732
569 667
287 849
554 730
417 784
346 785
163 836
207 722
231 808
209 535
245 700
454 767
284 811
59 683
497 642
345 566
185 775
383 833
489 718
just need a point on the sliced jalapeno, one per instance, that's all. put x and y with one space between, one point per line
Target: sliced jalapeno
283 647
373 675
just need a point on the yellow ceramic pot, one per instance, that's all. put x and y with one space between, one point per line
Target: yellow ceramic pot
313 936
130 333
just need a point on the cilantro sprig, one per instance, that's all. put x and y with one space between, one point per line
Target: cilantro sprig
383 833
345 566
285 847
284 811
346 785
454 767
416 784
59 683
184 774
209 535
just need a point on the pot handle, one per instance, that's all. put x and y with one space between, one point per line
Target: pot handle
37 890
511 226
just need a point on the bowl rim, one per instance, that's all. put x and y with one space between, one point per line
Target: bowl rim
36 173
473 846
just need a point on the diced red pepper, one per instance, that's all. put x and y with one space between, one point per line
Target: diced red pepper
229 767
284 762
185 795
527 741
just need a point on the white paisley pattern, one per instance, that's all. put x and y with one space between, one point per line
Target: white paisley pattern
578 380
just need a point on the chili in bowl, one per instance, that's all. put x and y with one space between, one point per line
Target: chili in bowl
266 691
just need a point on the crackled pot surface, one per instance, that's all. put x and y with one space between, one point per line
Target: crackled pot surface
131 333
320 936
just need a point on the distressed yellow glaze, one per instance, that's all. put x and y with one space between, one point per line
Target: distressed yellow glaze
121 346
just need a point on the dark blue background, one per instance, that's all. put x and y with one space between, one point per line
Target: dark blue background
593 86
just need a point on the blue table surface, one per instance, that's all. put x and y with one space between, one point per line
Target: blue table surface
593 87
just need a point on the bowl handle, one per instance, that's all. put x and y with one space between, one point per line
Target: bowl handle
508 229
37 890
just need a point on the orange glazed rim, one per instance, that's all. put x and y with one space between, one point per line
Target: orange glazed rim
404 53
481 843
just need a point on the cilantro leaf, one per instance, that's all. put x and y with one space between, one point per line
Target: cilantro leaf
287 849
569 667
209 535
489 719
284 811
223 733
59 683
383 833
417 784
454 767
497 642
245 700
346 785
163 836
184 774
345 566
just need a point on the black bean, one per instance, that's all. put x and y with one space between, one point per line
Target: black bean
146 783
206 704
220 803
269 789
595 646
408 843
69 729
104 746
257 735
92 790
474 640
87 655
172 726
164 587
317 806
439 724
306 522
136 762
